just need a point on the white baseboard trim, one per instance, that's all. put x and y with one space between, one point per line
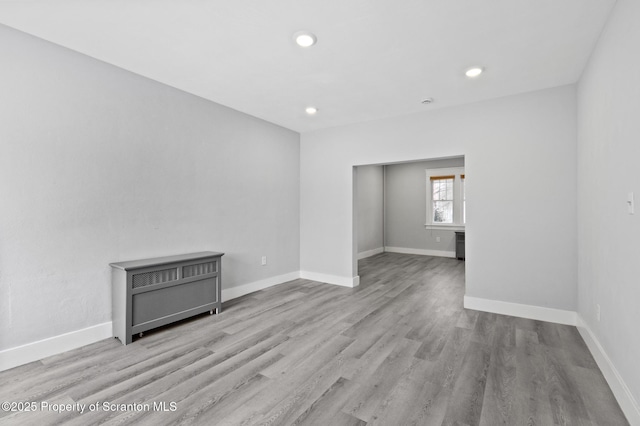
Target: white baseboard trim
628 404
35 351
241 290
369 253
331 279
423 252
539 313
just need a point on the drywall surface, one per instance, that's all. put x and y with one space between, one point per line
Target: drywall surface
608 155
405 208
520 158
370 199
100 165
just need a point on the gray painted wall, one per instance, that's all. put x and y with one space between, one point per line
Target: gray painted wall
100 165
530 138
608 155
405 209
370 199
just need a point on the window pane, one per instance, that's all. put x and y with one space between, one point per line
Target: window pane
442 196
436 189
443 211
442 189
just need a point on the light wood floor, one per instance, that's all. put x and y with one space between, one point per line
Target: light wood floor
398 350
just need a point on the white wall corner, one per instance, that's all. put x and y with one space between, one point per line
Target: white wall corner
539 313
423 252
628 403
331 279
369 253
356 281
241 290
20 355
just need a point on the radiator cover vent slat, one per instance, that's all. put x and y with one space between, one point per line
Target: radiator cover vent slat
198 269
155 277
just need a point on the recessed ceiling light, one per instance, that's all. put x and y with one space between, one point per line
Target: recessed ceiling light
311 110
427 101
304 38
474 72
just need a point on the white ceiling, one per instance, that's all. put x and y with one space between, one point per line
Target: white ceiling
373 59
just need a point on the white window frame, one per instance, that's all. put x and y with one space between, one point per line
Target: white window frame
457 224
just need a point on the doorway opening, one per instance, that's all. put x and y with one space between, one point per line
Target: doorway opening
412 207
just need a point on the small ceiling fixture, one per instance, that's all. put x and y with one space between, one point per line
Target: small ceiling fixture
311 110
474 72
304 38
427 101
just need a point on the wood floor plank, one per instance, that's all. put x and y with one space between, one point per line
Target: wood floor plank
448 367
466 401
374 387
305 349
114 387
197 396
433 342
531 402
575 348
400 349
498 405
567 404
294 392
467 319
232 410
300 399
485 329
361 365
410 391
327 407
603 407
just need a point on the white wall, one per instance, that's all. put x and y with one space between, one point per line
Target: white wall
608 169
370 209
405 210
520 156
100 165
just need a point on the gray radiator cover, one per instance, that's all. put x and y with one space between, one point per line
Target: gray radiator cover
149 293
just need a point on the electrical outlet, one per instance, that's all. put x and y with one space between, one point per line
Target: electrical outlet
264 260
598 312
437 239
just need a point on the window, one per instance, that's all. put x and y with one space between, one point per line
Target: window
446 198
442 198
